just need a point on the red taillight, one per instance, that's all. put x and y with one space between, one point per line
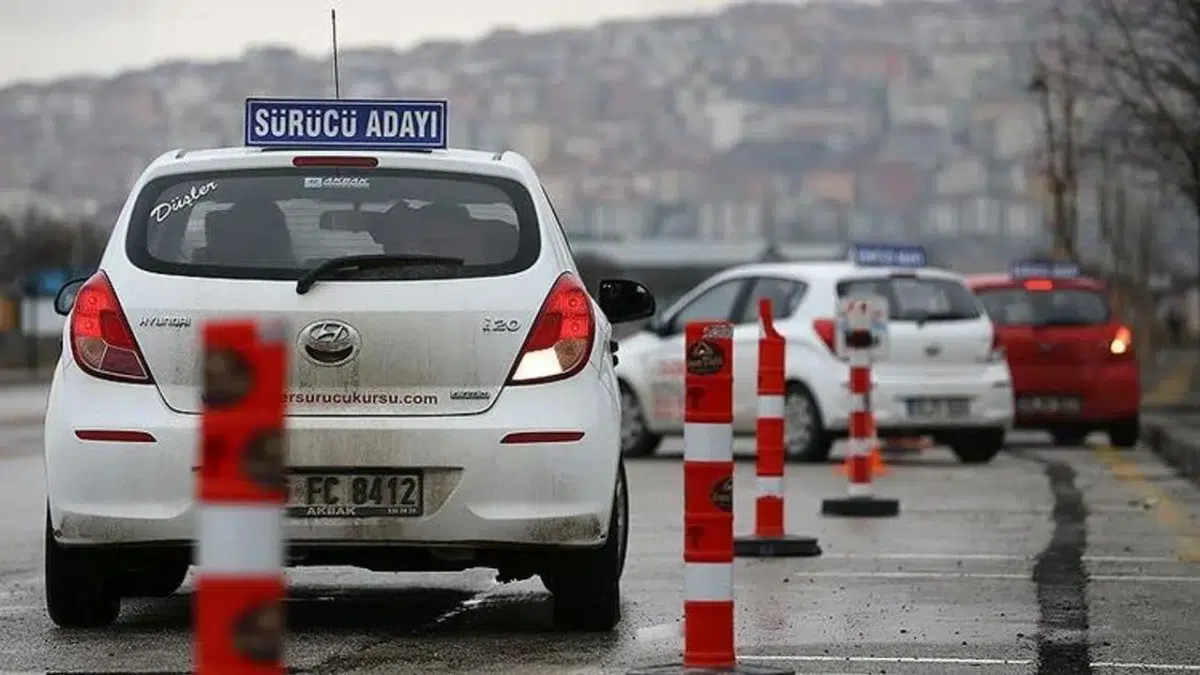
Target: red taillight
826 330
101 339
560 342
1121 345
336 162
1039 285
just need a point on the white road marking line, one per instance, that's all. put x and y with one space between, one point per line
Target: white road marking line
985 575
923 660
992 557
1177 667
661 631
937 660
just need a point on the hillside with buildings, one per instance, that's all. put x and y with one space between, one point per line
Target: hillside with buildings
906 120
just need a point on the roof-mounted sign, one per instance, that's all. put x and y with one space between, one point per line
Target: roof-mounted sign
888 255
345 124
1044 269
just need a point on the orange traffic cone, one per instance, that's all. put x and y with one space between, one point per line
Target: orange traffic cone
878 466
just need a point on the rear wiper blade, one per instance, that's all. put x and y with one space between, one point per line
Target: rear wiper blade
351 262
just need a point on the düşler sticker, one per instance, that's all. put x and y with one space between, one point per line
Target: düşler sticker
171 207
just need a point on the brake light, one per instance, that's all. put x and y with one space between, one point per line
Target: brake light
336 162
1039 285
1122 342
826 329
101 339
561 338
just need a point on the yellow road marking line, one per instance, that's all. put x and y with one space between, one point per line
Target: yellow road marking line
1170 515
1174 387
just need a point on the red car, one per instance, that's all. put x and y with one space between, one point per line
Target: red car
1074 369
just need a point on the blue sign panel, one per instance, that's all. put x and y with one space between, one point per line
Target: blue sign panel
345 124
1046 269
887 255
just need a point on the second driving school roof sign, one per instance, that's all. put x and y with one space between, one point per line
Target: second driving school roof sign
345 124
888 255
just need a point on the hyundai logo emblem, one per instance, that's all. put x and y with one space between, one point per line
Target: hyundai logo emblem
329 342
932 350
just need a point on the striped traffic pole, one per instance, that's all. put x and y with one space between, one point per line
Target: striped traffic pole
708 610
770 538
242 493
860 499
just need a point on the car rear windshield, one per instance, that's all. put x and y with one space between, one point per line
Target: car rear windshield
1058 307
915 298
278 223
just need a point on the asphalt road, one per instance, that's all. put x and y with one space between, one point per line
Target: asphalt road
1050 560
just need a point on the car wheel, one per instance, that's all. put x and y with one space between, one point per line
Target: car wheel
81 590
1068 437
586 586
156 582
804 436
637 440
978 447
1124 435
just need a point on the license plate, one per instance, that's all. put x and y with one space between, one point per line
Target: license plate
1049 404
355 495
938 408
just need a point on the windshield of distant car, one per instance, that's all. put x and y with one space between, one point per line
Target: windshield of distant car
917 298
279 223
1060 306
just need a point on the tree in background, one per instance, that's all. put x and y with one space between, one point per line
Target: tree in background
35 241
1117 83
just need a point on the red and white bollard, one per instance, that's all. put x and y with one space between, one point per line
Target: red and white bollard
860 499
770 538
242 489
708 609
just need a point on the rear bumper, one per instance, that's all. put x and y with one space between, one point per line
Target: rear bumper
1110 393
988 389
478 492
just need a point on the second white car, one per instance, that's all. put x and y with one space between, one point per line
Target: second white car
942 376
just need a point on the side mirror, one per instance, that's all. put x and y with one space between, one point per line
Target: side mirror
65 300
625 300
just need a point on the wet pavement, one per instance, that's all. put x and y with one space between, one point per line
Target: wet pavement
1053 561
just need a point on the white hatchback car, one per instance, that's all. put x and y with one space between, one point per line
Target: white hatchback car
943 375
442 336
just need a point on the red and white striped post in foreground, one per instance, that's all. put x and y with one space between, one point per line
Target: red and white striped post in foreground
770 538
708 611
242 493
860 500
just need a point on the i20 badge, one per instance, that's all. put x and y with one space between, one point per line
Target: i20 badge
329 342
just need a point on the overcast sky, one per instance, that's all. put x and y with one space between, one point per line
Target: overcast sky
41 39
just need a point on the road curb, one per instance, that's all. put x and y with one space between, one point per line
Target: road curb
1176 444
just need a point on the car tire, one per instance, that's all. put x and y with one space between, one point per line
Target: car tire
637 440
815 446
156 582
1068 437
81 590
978 447
1124 435
586 586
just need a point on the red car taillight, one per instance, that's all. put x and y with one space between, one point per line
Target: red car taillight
560 341
826 329
101 339
1121 345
